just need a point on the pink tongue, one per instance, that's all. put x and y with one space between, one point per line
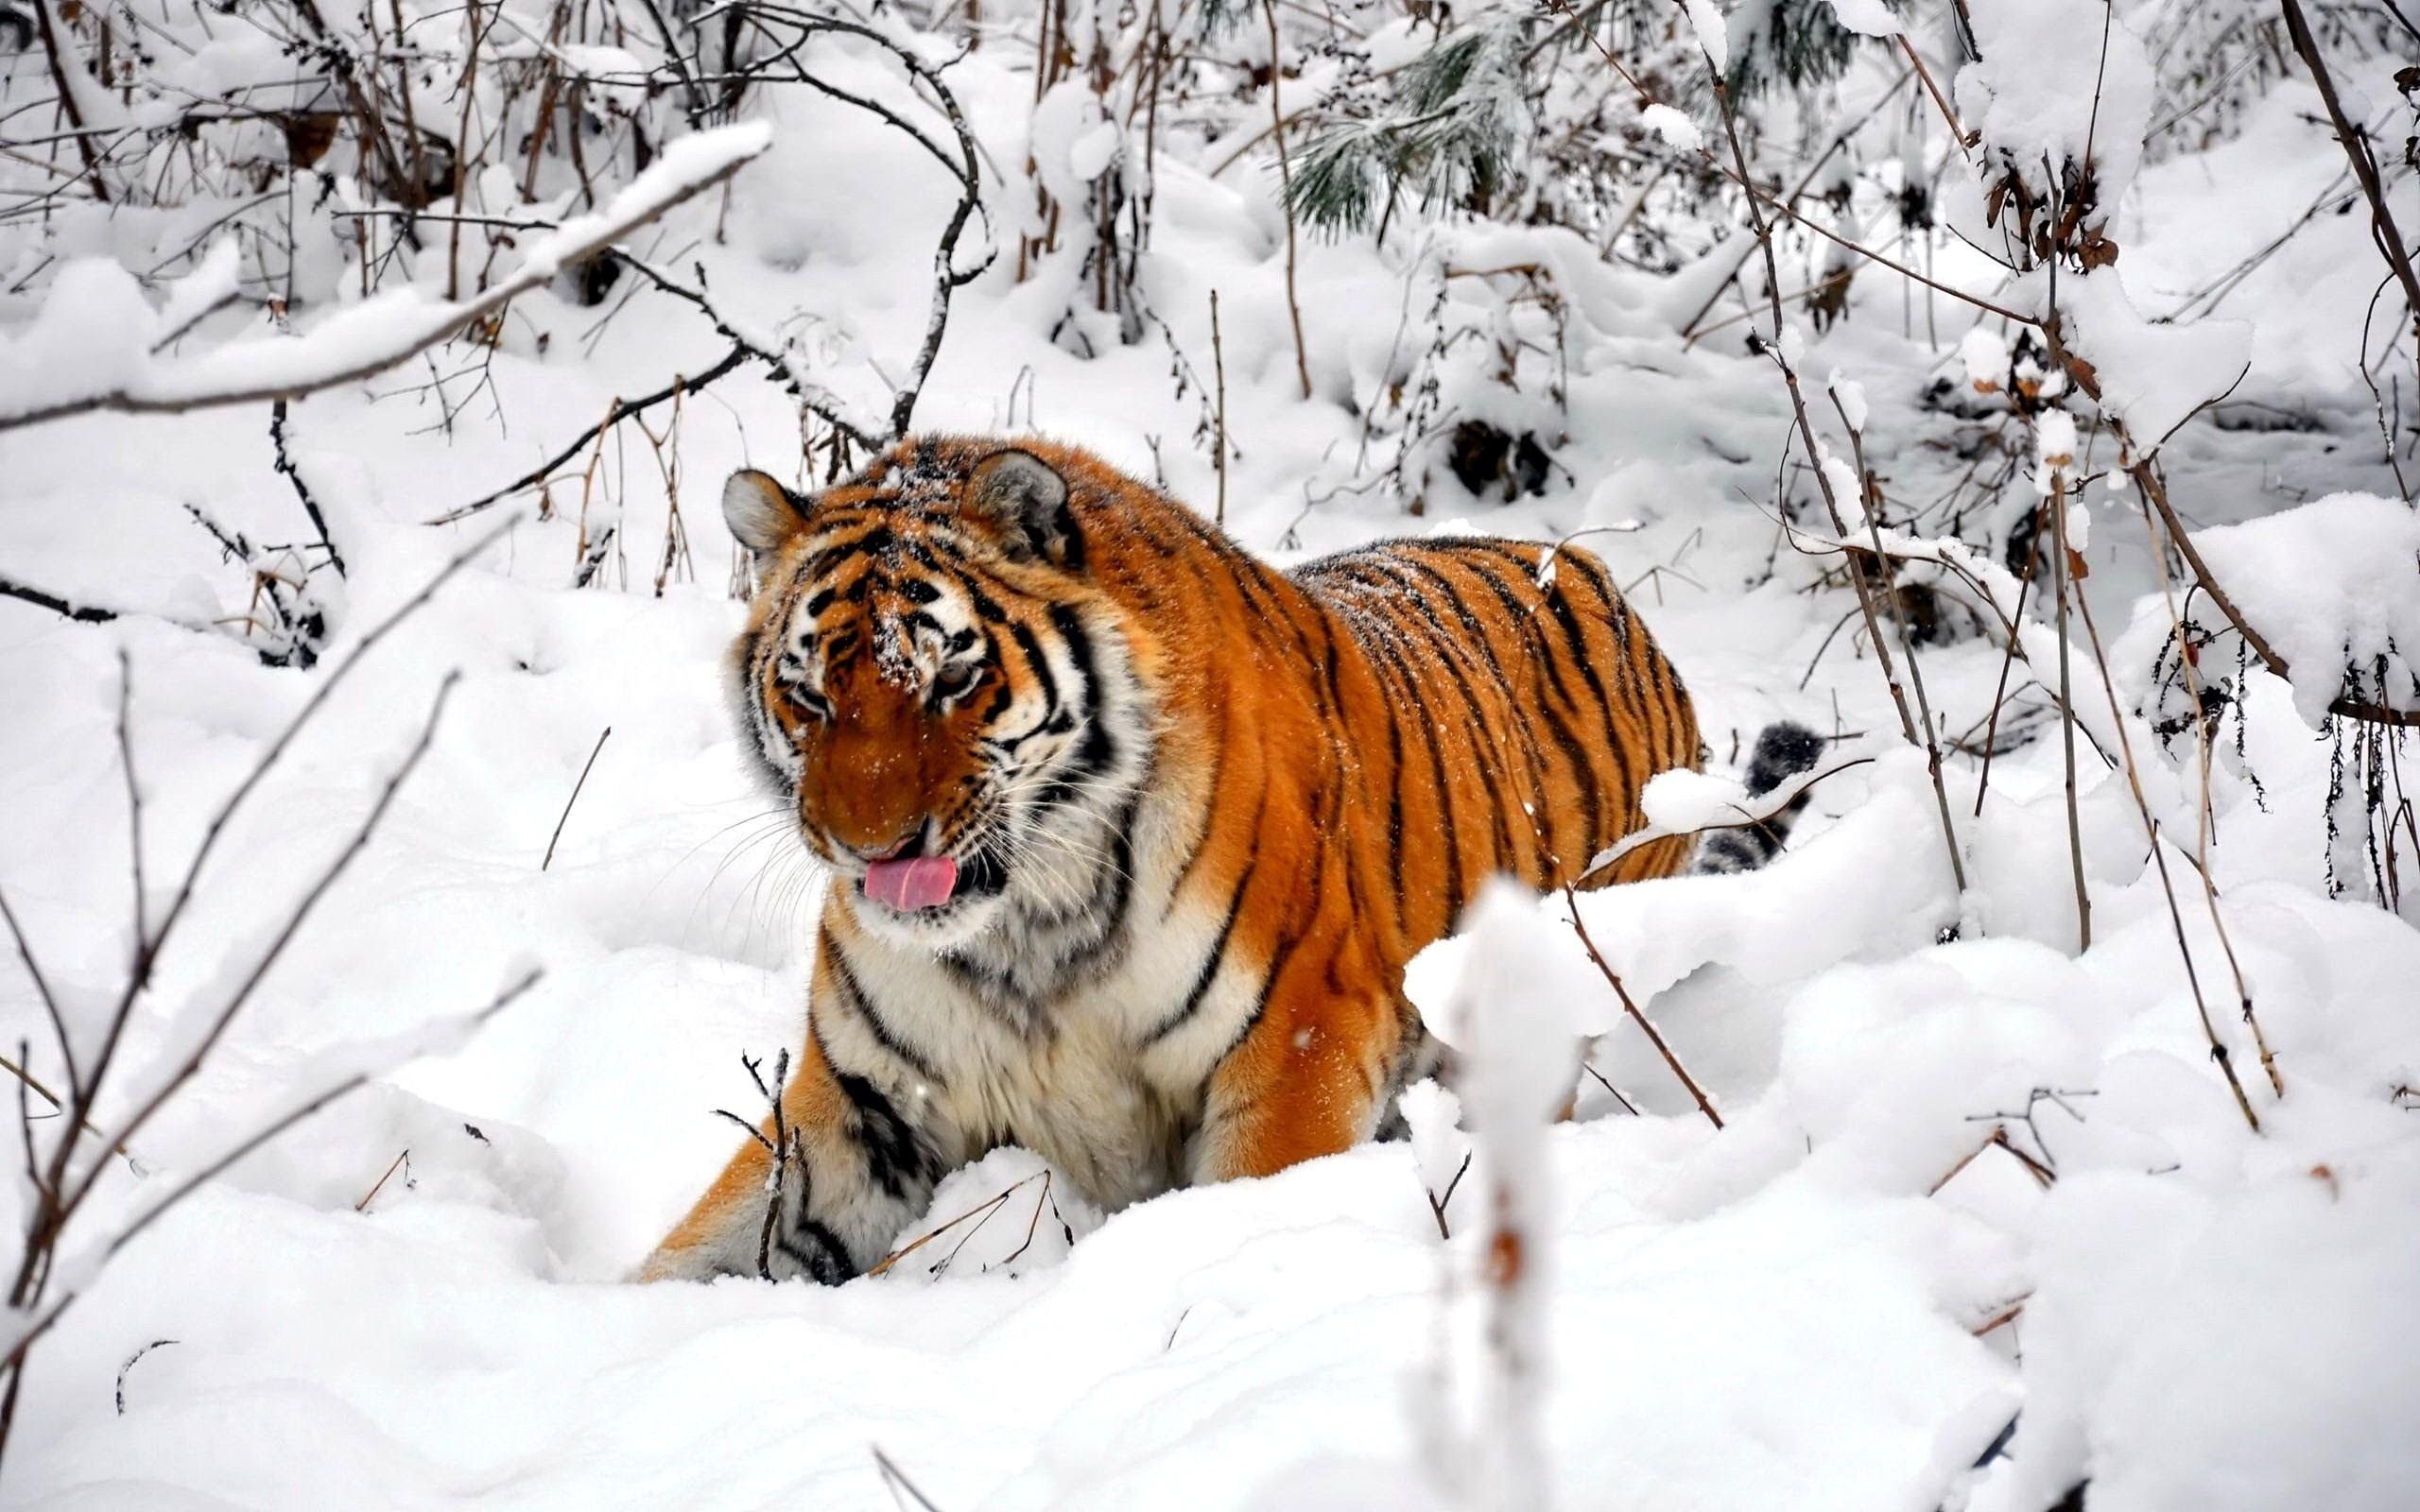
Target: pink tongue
924 882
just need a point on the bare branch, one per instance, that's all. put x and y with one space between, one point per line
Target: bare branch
1706 1105
2357 149
66 607
302 490
584 769
619 411
301 911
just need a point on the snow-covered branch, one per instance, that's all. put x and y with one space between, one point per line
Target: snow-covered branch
64 365
1708 806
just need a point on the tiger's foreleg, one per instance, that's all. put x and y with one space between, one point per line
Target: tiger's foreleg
854 1170
1307 1080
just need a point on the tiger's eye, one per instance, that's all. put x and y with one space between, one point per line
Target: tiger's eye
955 682
806 701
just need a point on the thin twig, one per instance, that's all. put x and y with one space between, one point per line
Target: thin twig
1285 191
2218 1051
1219 365
337 365
43 1228
2153 487
2385 233
566 816
1859 580
2062 580
401 1163
897 1481
1871 490
15 1355
1706 1105
66 607
302 490
614 414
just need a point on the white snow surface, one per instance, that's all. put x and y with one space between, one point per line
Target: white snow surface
1837 1300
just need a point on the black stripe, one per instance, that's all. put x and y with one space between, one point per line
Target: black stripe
817 1250
853 994
1394 802
897 1156
1099 749
1370 632
1040 666
1559 604
1593 573
1286 944
1427 724
1555 681
879 539
1118 880
1491 656
1210 963
1209 806
1446 646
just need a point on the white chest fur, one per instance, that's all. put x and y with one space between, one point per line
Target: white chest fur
1080 1080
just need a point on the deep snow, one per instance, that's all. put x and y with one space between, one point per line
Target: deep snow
1806 1308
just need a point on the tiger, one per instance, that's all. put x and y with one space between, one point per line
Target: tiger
1128 836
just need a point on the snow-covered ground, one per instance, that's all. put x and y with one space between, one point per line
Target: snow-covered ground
1840 1299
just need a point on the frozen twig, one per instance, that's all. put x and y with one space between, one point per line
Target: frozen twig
981 1212
1916 734
2218 1051
67 1178
403 1161
79 609
966 166
1219 365
1871 491
2154 489
811 398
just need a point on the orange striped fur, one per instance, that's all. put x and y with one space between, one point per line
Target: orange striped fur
1177 953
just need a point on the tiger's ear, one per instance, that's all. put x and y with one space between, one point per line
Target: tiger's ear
1026 500
761 513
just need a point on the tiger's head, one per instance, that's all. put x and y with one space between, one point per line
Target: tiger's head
930 678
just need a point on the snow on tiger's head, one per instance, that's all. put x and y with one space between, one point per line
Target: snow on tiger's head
928 675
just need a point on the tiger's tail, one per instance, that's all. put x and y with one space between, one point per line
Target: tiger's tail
1783 750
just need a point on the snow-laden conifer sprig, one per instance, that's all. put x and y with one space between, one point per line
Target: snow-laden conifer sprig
1443 140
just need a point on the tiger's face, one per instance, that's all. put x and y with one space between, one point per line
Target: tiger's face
929 682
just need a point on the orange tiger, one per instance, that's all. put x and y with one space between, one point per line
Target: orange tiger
1131 836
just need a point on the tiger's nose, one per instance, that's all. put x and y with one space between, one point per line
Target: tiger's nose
902 847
